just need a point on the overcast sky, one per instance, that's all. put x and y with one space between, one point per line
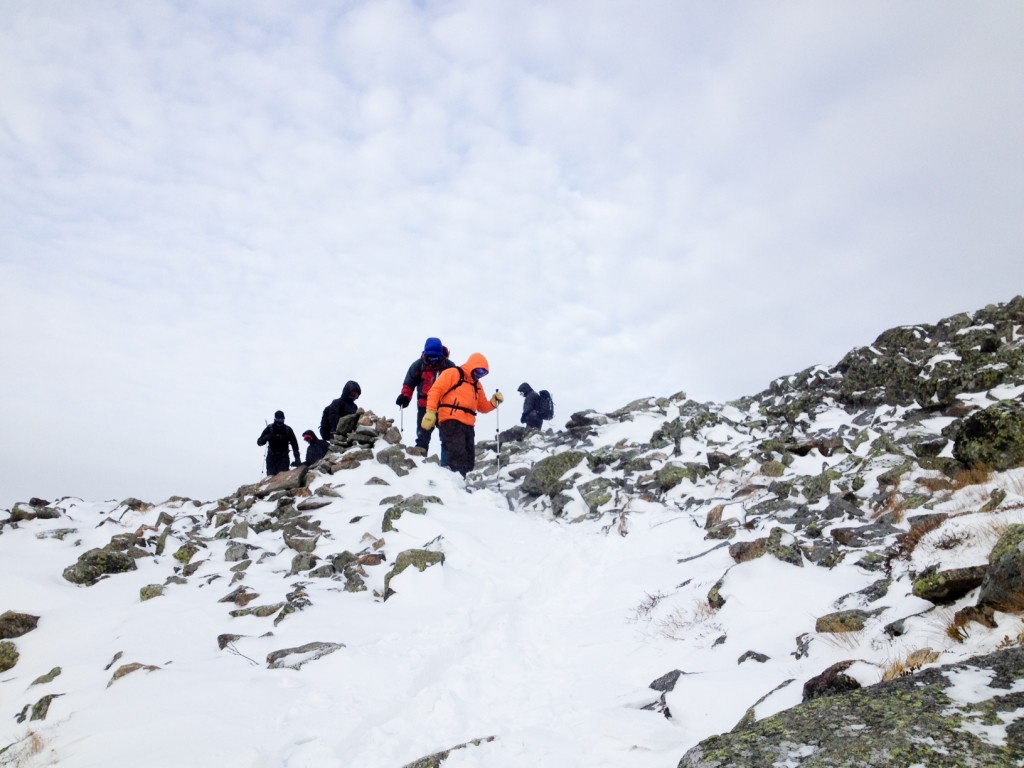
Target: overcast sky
212 210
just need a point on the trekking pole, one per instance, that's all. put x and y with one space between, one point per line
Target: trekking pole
497 438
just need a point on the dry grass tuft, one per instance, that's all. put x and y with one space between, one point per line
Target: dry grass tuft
907 542
909 665
21 752
683 623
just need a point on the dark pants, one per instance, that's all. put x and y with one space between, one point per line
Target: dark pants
532 420
276 462
460 442
422 435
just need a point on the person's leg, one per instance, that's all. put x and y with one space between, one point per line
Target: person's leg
454 439
422 435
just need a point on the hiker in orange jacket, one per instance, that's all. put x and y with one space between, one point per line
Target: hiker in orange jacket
453 403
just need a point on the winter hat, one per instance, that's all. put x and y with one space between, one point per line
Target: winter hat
524 388
433 346
278 417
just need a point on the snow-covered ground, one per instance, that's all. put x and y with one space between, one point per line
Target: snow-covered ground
542 633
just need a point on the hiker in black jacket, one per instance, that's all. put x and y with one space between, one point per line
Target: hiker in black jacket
316 448
277 437
343 406
531 416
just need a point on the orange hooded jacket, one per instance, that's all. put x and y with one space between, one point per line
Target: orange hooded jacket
461 402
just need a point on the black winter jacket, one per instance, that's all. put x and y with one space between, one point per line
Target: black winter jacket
279 436
343 406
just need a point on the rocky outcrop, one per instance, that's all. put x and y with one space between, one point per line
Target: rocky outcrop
922 720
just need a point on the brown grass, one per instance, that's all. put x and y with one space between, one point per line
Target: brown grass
913 662
956 629
907 542
21 752
895 505
959 479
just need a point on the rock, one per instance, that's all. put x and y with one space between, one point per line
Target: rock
992 439
49 677
744 551
296 658
831 682
667 682
8 655
127 669
415 504
717 459
98 563
435 760
917 720
844 621
1002 587
14 624
394 457
545 479
944 587
150 591
421 559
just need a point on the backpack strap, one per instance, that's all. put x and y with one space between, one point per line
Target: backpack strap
462 380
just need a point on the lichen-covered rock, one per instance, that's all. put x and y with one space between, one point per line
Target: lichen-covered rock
992 438
421 559
150 591
97 563
852 620
943 587
1003 585
13 624
417 504
8 655
920 720
545 479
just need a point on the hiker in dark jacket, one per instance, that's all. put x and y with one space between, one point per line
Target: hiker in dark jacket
316 448
420 378
531 416
343 406
277 437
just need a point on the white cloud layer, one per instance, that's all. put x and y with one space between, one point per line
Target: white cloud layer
214 210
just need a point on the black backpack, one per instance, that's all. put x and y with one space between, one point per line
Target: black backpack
545 405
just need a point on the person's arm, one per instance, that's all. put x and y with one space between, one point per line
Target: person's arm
262 439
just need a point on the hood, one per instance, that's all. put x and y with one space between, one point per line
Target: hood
524 389
351 388
476 360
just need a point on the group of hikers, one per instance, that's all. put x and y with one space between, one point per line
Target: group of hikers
448 396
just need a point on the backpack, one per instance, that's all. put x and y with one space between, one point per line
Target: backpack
545 405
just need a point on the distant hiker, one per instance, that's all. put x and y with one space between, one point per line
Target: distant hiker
531 416
343 406
279 435
420 378
316 448
453 403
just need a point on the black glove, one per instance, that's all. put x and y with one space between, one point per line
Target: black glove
402 401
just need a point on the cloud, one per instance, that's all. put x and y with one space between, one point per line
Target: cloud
214 211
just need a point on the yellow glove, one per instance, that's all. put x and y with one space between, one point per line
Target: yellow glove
496 398
429 420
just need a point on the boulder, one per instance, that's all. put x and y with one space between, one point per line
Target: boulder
14 624
98 563
921 720
545 479
993 438
1002 587
942 587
